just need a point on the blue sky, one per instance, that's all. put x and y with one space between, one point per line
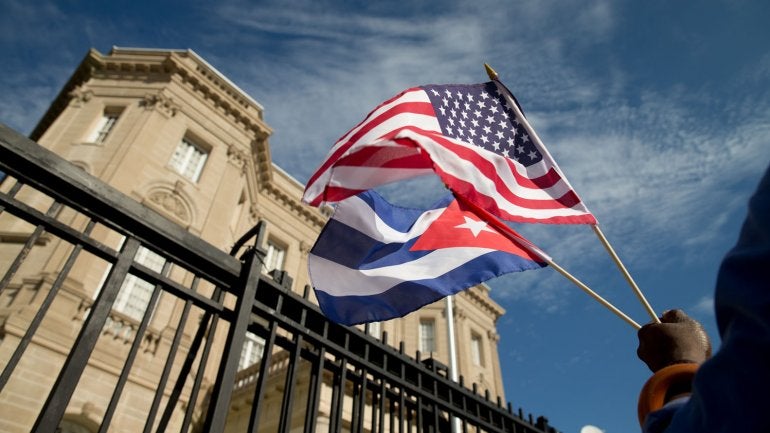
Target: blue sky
658 112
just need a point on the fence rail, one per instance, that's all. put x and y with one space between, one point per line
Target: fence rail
104 368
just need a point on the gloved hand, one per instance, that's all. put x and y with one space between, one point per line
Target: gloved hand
678 339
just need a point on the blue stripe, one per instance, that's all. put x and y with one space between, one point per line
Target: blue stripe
411 295
349 247
399 218
343 244
358 250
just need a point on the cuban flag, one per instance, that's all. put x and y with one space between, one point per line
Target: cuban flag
374 261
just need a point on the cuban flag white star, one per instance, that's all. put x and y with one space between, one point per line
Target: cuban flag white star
474 226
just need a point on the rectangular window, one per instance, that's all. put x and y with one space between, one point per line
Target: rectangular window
477 352
427 336
274 258
104 126
188 159
134 295
252 351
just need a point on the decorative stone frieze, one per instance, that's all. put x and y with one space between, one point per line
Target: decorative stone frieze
160 102
460 314
304 247
236 156
254 213
80 96
171 203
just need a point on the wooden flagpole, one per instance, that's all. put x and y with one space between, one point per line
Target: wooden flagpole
591 293
515 237
495 77
625 273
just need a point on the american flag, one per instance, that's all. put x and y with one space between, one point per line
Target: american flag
473 136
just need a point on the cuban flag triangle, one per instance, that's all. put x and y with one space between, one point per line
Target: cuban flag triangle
374 261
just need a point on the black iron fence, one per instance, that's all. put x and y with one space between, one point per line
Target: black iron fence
72 361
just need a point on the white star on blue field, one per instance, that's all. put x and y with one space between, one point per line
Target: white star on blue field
657 112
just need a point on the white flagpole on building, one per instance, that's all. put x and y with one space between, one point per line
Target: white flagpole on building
450 320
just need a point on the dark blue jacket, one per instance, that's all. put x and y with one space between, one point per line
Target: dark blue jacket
731 391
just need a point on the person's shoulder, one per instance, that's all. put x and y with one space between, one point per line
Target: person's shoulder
658 421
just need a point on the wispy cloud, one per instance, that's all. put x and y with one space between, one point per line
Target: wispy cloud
356 59
704 307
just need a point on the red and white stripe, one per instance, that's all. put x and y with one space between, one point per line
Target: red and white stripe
402 139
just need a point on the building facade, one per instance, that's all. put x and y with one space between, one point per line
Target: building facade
168 130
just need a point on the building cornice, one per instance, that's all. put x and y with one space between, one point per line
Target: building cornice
205 81
316 217
164 65
479 295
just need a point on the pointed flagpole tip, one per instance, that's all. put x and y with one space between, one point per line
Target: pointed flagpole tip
491 72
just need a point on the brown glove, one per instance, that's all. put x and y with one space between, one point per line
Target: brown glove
678 339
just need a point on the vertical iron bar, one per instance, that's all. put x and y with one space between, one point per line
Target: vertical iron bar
132 353
402 392
259 388
434 397
52 211
69 376
198 376
509 408
477 408
192 353
419 398
42 310
357 391
383 395
392 415
338 396
383 389
377 405
465 409
223 386
284 424
284 420
174 397
316 382
362 396
409 418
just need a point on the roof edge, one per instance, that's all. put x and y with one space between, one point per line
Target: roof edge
128 50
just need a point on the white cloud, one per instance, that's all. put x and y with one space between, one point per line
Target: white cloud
29 16
353 60
704 307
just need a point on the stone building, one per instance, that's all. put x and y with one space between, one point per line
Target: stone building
167 129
